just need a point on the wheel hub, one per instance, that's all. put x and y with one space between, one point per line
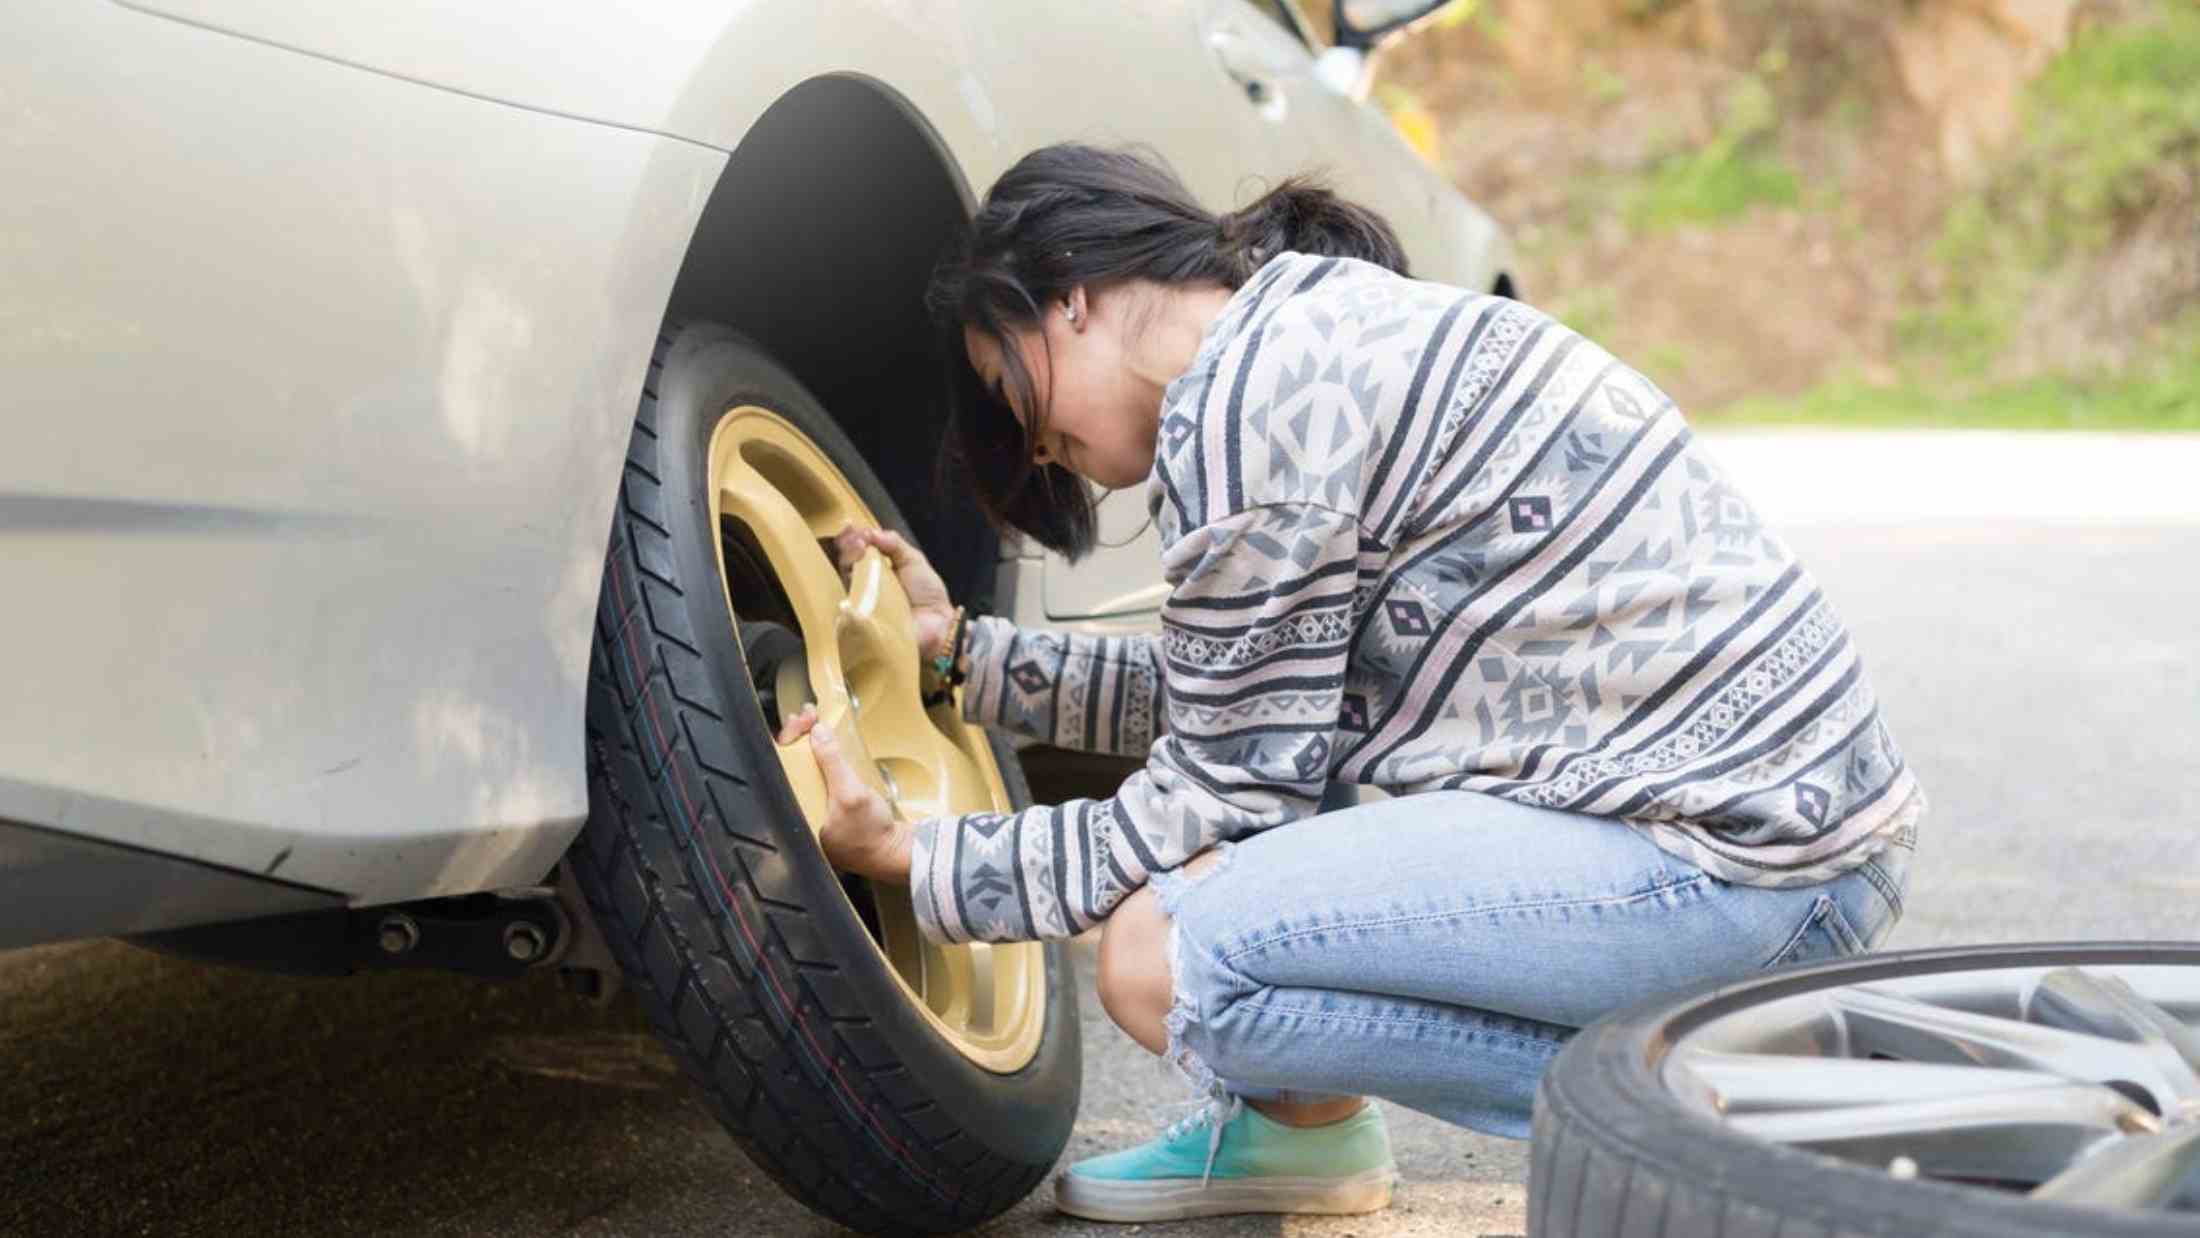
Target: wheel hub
850 649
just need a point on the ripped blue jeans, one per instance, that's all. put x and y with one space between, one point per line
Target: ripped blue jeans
1436 950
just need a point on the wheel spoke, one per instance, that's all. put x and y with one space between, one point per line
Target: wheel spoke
950 982
1902 1027
903 942
984 971
2108 1006
2144 1171
808 782
1761 1082
790 541
879 639
1008 986
931 777
930 774
972 986
2027 1135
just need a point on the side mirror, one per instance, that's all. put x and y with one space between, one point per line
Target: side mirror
1347 70
1361 24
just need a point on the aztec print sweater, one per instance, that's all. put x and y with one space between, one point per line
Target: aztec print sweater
1424 538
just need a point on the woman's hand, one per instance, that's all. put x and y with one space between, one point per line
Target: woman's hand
929 604
861 834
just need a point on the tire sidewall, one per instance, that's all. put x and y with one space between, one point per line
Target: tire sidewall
708 370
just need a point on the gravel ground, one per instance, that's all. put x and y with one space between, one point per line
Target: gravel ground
2037 650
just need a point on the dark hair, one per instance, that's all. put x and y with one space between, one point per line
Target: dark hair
1072 214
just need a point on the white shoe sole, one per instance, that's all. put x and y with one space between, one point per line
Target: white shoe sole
1174 1199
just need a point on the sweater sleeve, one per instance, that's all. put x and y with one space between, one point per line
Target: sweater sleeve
1254 640
1069 689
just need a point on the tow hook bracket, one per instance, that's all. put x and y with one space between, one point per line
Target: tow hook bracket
498 935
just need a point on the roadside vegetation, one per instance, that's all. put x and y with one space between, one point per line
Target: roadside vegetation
1738 170
2063 285
2158 391
1825 213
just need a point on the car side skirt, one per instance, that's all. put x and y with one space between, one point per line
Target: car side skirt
56 886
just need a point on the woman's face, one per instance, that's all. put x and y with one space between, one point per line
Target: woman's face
1101 421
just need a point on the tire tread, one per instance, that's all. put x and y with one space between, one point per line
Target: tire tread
747 1000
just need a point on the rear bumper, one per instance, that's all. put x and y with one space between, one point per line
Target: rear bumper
56 886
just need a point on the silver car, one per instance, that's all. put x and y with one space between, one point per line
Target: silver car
356 618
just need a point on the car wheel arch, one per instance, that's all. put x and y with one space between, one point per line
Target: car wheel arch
816 243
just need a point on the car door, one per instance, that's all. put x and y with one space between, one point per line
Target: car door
1265 52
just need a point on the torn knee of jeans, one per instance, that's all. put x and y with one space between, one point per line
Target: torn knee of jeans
1170 884
1183 1014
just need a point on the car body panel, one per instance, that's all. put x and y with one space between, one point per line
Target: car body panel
310 451
321 331
67 885
1119 575
992 80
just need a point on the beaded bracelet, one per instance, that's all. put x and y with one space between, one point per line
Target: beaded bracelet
945 665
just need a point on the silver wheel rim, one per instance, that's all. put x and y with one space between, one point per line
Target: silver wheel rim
2077 1084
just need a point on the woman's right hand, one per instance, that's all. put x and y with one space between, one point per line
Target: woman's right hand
928 601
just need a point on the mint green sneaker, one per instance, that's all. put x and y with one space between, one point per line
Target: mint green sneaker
1228 1158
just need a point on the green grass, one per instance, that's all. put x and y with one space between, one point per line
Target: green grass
2110 142
2162 395
1739 168
1709 185
2111 132
2106 118
1602 86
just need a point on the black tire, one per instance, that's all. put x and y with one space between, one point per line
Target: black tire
1618 1155
740 941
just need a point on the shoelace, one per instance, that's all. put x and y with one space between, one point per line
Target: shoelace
1214 1113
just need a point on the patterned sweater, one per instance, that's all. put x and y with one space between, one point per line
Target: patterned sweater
1423 538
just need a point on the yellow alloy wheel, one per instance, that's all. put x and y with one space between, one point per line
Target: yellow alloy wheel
858 663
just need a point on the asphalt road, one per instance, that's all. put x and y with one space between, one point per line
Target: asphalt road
2029 610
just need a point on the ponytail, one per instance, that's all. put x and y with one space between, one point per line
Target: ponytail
1303 215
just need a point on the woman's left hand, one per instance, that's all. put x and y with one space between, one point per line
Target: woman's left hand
861 834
